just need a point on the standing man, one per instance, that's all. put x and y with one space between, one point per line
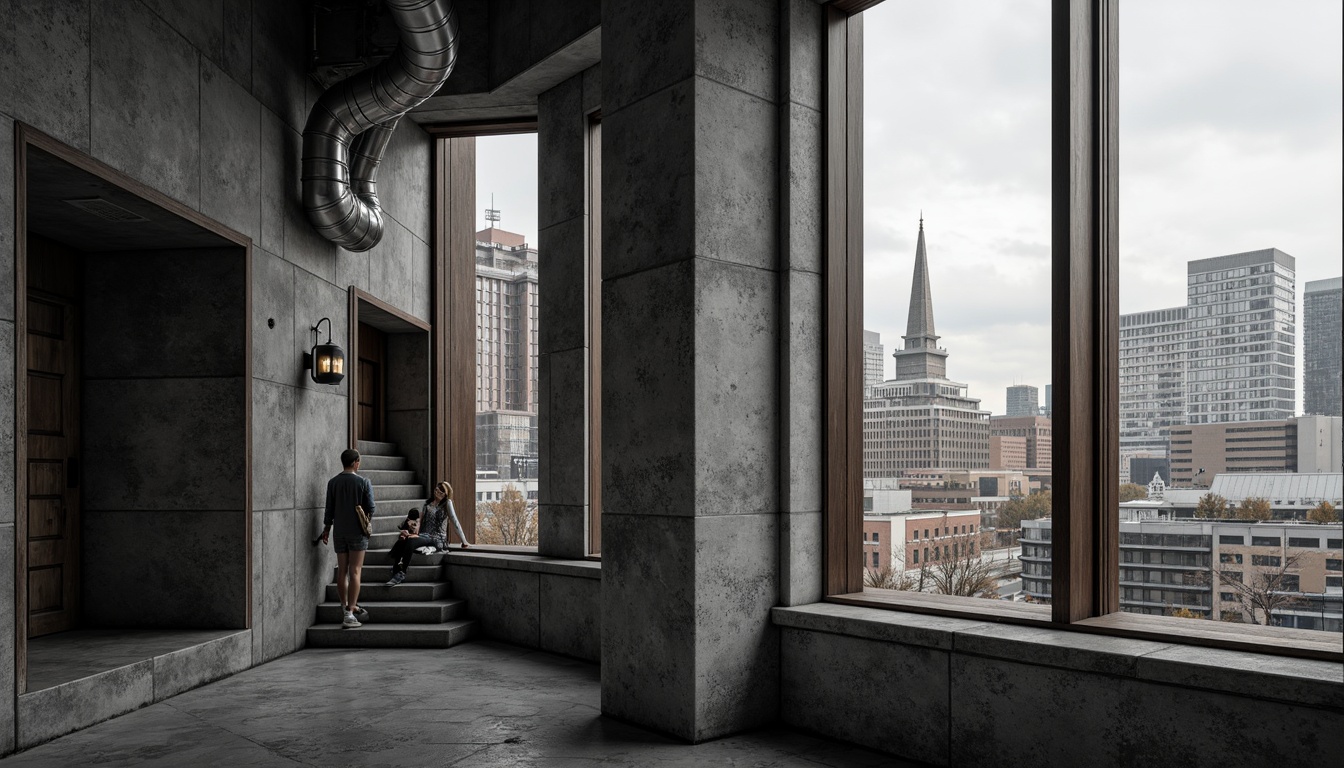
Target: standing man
344 491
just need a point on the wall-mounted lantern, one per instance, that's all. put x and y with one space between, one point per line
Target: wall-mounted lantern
326 363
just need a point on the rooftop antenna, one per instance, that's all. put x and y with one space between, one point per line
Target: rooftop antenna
492 213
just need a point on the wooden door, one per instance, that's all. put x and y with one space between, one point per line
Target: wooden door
370 371
53 447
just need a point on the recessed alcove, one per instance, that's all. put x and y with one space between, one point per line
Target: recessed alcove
134 421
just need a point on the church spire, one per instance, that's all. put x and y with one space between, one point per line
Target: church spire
919 327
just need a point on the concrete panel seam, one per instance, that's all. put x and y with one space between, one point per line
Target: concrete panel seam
627 105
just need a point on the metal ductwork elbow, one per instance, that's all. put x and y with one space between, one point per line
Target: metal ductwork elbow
352 122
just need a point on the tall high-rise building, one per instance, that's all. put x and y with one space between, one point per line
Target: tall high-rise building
1023 400
1321 350
1048 410
1242 318
921 419
873 359
506 354
1037 432
1152 382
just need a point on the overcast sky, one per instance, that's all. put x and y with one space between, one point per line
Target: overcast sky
1229 141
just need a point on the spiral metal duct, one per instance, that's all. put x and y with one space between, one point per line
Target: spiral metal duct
352 122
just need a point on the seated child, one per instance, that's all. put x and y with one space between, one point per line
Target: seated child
411 526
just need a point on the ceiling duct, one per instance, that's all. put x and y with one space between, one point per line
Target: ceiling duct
353 120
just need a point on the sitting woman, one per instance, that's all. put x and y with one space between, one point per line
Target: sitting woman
434 516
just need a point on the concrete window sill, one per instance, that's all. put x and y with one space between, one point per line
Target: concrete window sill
533 563
1308 682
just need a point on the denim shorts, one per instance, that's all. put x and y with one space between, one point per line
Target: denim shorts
355 543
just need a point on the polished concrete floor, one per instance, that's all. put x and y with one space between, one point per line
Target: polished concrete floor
66 656
478 704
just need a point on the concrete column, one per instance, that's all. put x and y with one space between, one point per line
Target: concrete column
691 327
564 297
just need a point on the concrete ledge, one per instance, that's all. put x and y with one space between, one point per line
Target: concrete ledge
1303 682
60 709
586 569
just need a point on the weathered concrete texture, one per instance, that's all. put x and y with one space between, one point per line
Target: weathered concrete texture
800 554
645 48
191 571
319 437
277 162
6 215
200 21
562 530
648 621
422 288
43 715
648 398
272 446
736 44
181 670
736 653
485 704
390 271
303 247
230 162
567 429
561 139
54 42
404 179
801 386
802 53
279 605
166 444
165 313
1116 721
736 389
571 616
273 323
803 223
279 48
312 563
648 179
506 603
257 527
236 51
565 298
885 696
7 639
736 167
145 100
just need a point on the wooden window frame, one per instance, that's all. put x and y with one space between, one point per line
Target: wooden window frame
1084 349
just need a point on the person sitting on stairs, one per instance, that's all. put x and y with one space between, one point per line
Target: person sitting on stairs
434 516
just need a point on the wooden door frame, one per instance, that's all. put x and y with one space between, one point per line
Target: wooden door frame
25 137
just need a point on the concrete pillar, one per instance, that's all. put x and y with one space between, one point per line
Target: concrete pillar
691 328
564 298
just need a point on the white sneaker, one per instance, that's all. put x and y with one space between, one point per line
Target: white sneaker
350 621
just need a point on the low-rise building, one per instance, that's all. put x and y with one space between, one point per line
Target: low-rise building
1304 444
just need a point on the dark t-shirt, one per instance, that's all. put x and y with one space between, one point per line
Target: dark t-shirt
344 491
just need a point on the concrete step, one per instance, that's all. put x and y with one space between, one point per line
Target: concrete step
388 476
383 557
409 591
392 635
390 522
398 493
378 574
373 463
403 612
376 448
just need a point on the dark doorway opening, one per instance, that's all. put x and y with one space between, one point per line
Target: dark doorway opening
133 348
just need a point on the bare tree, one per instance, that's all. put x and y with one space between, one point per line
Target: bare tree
966 572
510 520
1260 589
886 578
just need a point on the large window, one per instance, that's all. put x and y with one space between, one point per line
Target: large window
507 290
1070 549
956 298
1230 201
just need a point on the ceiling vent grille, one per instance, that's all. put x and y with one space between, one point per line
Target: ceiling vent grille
105 210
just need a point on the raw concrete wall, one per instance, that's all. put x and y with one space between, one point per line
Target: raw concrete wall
204 102
691 329
565 300
550 604
948 691
164 423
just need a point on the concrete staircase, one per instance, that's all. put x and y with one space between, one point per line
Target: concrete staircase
418 613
